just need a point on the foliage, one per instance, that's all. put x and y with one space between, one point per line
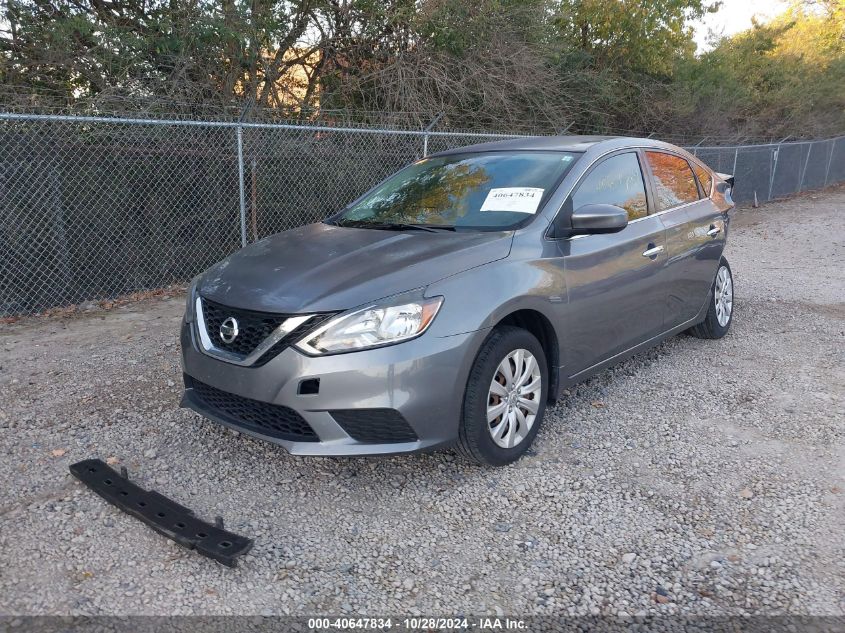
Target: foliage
194 51
783 78
548 65
642 36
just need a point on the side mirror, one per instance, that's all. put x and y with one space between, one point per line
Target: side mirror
598 218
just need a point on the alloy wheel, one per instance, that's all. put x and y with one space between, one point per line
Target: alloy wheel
724 296
514 398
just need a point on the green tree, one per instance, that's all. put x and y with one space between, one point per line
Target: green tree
605 66
633 36
200 52
784 77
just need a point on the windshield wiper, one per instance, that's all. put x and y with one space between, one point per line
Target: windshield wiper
402 226
434 228
397 226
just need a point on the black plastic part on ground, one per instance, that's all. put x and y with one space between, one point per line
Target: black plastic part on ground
166 517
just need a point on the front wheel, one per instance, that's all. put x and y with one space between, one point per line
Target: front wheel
505 398
720 313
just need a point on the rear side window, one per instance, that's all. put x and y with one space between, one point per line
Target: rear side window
704 178
674 182
617 180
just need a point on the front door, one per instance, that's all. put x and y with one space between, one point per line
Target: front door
614 282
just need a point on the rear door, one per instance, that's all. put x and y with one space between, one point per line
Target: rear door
615 294
695 232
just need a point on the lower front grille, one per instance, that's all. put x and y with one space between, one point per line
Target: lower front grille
375 426
261 417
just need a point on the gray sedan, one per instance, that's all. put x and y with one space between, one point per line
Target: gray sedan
452 302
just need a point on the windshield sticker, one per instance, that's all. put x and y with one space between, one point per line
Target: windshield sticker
517 199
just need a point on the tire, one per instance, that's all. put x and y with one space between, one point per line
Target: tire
711 327
475 437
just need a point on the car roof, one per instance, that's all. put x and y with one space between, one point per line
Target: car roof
557 143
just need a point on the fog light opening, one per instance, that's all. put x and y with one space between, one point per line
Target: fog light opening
309 387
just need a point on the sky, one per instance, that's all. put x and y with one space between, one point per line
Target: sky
734 16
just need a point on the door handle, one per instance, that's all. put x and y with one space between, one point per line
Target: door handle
714 230
653 251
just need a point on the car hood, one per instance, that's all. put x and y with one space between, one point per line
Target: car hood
320 267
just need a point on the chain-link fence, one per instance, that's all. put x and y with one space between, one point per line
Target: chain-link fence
774 170
92 207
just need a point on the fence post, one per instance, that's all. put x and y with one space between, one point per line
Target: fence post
428 129
565 130
774 161
253 201
829 160
240 132
241 195
803 172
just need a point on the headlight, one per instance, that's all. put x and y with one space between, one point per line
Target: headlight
372 327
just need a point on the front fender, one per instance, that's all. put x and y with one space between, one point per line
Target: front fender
481 297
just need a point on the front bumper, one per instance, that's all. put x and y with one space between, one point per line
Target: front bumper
422 379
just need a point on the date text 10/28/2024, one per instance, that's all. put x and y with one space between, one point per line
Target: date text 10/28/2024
416 623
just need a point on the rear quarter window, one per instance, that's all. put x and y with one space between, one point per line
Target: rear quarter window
674 181
704 178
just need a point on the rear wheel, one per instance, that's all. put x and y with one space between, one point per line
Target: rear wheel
720 313
505 398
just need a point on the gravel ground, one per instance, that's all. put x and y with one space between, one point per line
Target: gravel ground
702 477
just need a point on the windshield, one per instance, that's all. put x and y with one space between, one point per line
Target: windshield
481 191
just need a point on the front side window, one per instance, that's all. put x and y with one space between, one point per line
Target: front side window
618 181
474 191
674 182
